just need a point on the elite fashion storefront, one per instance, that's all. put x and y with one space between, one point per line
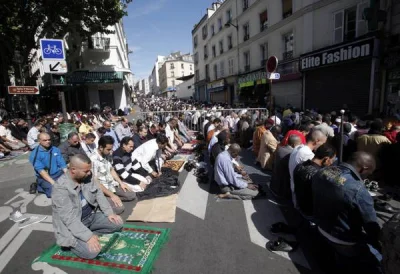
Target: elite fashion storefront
341 75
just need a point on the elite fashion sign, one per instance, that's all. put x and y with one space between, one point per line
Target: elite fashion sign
337 54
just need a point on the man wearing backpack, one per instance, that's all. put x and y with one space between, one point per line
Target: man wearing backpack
48 163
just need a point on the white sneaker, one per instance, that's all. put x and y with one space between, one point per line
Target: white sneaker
32 220
17 216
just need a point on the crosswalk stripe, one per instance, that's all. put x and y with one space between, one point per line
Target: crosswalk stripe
260 215
192 198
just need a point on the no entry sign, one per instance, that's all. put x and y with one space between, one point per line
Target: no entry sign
272 64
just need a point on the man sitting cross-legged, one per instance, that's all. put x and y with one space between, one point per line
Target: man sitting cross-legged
122 163
110 183
232 184
80 210
48 164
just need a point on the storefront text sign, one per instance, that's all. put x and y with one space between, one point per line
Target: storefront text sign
216 84
251 77
336 55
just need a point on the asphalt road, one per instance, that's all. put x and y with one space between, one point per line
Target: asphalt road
209 235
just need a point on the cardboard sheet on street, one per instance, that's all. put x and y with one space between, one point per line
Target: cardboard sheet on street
158 210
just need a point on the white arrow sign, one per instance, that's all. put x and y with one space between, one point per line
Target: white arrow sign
55 66
274 76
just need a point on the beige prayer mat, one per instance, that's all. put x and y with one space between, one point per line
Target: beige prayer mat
158 210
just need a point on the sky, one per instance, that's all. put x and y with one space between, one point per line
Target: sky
159 27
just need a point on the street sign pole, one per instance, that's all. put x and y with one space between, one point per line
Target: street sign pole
28 115
272 64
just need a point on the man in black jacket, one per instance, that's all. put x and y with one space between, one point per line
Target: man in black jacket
303 175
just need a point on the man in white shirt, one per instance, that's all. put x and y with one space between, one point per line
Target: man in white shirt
7 138
143 155
325 127
33 134
170 133
302 153
88 144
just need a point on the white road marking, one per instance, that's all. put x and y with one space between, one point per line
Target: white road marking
260 215
192 198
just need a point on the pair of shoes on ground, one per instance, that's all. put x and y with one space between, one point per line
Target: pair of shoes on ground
24 221
281 244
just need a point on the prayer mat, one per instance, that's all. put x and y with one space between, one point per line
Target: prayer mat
133 250
175 165
158 210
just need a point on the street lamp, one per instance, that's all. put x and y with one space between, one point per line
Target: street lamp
228 24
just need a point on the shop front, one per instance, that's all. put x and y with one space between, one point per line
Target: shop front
289 88
253 88
392 85
218 91
340 75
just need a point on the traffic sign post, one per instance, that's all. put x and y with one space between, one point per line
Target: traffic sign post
23 90
272 65
53 54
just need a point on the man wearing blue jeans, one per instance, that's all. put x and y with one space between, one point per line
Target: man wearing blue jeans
81 211
48 163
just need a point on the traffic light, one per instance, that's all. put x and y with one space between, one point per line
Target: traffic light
58 80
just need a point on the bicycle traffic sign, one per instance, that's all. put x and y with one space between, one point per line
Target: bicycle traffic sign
52 49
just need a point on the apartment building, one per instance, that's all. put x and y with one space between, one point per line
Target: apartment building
154 80
145 87
175 66
232 42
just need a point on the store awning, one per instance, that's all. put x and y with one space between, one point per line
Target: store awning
216 89
252 83
94 77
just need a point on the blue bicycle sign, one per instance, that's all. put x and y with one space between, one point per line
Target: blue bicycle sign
52 49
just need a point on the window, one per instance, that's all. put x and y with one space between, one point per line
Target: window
222 69
212 29
228 16
229 41
245 4
183 73
219 23
195 41
205 32
172 73
221 46
214 52
182 66
246 32
231 66
287 8
205 52
215 71
191 67
172 66
173 83
196 58
349 23
246 56
264 20
288 46
264 54
207 69
197 75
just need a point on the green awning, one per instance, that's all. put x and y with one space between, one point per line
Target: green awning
91 77
246 84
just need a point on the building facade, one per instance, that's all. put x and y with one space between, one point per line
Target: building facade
233 41
144 86
154 80
175 65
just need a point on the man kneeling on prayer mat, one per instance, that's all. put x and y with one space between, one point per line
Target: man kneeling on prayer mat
122 163
232 184
110 183
81 211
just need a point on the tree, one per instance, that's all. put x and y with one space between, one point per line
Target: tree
23 22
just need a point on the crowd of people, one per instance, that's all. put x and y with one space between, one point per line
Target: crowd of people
106 159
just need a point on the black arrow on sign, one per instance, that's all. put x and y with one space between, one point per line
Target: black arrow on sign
54 68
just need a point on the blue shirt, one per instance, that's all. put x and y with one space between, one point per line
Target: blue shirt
40 159
116 140
225 175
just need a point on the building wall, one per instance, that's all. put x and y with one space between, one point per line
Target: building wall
175 66
185 90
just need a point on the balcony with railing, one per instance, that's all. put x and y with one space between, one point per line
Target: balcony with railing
99 43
